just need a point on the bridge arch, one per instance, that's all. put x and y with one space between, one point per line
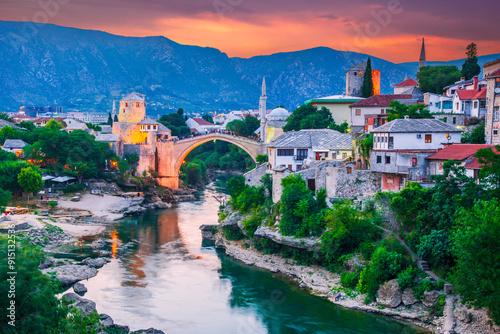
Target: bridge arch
172 154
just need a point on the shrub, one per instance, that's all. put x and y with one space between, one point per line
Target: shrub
52 204
267 246
73 188
349 280
252 223
233 235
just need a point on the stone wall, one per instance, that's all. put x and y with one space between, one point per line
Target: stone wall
253 177
277 188
347 182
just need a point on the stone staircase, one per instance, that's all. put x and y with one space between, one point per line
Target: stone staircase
424 266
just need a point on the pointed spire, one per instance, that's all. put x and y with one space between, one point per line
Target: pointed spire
406 76
421 61
264 86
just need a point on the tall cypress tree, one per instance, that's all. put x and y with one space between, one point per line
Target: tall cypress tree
471 68
110 120
367 87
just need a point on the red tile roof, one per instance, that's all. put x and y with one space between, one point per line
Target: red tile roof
457 152
407 82
381 100
494 74
474 163
201 121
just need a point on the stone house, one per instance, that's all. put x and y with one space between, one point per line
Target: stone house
492 75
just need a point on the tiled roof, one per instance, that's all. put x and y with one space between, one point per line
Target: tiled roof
316 139
407 82
474 163
419 125
163 128
201 121
14 143
459 83
4 123
134 97
471 94
108 137
381 100
457 152
149 121
494 74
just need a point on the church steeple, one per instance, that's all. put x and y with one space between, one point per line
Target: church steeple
421 61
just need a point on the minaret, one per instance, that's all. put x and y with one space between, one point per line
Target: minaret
421 62
262 111
113 113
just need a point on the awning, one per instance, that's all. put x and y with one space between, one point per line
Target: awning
63 179
47 177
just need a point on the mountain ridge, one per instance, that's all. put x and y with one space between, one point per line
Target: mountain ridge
86 69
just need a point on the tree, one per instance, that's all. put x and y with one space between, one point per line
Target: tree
94 127
110 119
30 180
115 119
5 117
400 110
476 136
245 127
7 132
5 197
490 173
30 126
308 116
367 87
342 128
54 125
180 112
477 273
471 68
176 123
208 118
433 79
261 158
235 186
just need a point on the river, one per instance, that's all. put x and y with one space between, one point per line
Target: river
168 279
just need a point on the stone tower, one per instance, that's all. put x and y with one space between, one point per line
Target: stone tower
354 80
421 61
262 110
132 108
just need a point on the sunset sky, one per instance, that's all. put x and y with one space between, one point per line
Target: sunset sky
389 29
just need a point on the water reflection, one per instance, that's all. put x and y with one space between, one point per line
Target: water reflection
163 276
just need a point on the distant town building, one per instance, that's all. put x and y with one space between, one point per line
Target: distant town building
403 87
401 146
354 80
73 124
4 123
14 146
115 142
338 105
275 121
492 75
292 148
471 103
463 84
198 124
436 103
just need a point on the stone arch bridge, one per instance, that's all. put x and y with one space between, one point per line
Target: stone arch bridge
169 156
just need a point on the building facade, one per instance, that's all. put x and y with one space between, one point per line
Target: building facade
492 75
354 80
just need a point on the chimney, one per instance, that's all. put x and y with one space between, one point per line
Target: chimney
407 116
462 79
476 81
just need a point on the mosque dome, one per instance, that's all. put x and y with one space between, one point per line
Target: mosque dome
278 114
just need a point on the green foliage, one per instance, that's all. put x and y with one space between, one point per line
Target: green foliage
7 132
490 173
436 249
73 188
7 156
245 127
194 172
30 126
308 117
400 110
9 171
250 198
475 137
408 204
365 146
267 246
433 79
477 273
342 128
261 158
30 180
55 125
349 280
176 123
5 117
253 222
208 118
235 186
471 68
233 235
5 197
367 86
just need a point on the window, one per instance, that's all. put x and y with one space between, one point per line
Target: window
382 111
344 155
290 167
334 155
349 170
495 132
428 138
454 120
387 160
299 167
358 112
414 162
285 152
137 104
301 154
123 110
475 104
149 127
457 106
447 105
126 104
379 159
495 114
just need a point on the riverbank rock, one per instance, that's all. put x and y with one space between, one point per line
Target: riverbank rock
353 264
408 297
70 273
208 232
310 244
462 314
95 263
430 298
79 288
389 294
117 329
148 331
98 244
84 305
49 262
219 244
106 320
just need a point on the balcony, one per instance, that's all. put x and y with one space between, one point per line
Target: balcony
299 157
403 169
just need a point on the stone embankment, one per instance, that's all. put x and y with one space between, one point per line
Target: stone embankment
391 301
